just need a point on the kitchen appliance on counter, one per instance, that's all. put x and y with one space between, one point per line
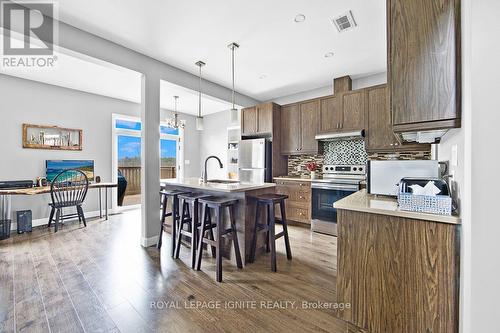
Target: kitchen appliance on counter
384 176
255 159
339 181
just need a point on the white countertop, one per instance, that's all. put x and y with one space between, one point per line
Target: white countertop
361 201
234 187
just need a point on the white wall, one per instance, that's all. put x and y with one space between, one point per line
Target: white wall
357 83
213 141
485 159
25 101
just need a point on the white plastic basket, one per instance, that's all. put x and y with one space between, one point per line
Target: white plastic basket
439 204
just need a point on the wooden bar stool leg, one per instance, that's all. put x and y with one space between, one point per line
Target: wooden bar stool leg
175 212
285 231
162 220
267 233
218 248
194 232
255 229
234 234
211 233
201 235
272 238
179 231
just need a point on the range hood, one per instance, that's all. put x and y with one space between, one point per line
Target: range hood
433 136
340 136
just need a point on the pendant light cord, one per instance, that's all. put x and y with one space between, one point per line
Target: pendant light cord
233 74
199 96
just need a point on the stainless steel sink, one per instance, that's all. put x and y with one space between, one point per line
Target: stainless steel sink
223 181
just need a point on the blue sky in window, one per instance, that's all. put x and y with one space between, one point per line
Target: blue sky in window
129 146
168 148
128 124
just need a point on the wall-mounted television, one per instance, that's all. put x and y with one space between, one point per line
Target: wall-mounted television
54 167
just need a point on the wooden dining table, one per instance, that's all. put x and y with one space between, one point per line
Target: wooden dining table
6 195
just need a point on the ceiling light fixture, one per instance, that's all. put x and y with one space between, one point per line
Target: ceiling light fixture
328 54
299 18
263 76
199 119
234 111
174 121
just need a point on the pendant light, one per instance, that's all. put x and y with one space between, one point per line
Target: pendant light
199 119
234 111
174 121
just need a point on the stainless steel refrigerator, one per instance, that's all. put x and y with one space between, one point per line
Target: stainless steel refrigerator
255 156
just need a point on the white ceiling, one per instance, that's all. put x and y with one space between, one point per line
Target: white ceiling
79 72
290 54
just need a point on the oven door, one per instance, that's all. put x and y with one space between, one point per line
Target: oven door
324 216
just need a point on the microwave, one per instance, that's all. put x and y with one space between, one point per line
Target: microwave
384 176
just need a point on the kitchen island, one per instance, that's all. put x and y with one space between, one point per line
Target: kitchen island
245 209
398 270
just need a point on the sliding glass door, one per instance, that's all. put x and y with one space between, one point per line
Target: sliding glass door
127 157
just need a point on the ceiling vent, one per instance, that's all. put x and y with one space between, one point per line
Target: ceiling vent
344 22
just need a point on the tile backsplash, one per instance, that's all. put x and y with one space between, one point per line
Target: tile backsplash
297 164
345 152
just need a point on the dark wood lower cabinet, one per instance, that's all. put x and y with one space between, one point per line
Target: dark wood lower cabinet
298 204
398 274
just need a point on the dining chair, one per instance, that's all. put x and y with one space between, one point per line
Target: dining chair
68 189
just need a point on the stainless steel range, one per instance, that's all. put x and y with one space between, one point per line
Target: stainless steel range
338 182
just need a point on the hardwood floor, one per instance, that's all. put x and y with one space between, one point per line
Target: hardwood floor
99 279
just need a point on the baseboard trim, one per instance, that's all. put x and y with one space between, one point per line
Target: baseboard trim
147 242
45 221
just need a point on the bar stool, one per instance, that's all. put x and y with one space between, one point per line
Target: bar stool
217 204
189 217
269 201
174 194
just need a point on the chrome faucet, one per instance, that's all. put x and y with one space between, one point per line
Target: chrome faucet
205 176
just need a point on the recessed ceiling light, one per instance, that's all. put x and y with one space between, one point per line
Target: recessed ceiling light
328 54
263 76
300 18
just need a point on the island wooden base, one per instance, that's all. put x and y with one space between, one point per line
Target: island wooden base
245 220
398 274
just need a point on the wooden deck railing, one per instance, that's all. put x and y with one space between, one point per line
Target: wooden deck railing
133 177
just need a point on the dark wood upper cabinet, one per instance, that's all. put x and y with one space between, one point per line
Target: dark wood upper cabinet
309 112
424 64
249 121
265 118
290 128
353 105
331 114
379 134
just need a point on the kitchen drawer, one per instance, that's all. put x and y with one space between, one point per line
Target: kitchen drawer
299 197
298 214
294 185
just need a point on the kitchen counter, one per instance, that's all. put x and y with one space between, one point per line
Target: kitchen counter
361 201
216 187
